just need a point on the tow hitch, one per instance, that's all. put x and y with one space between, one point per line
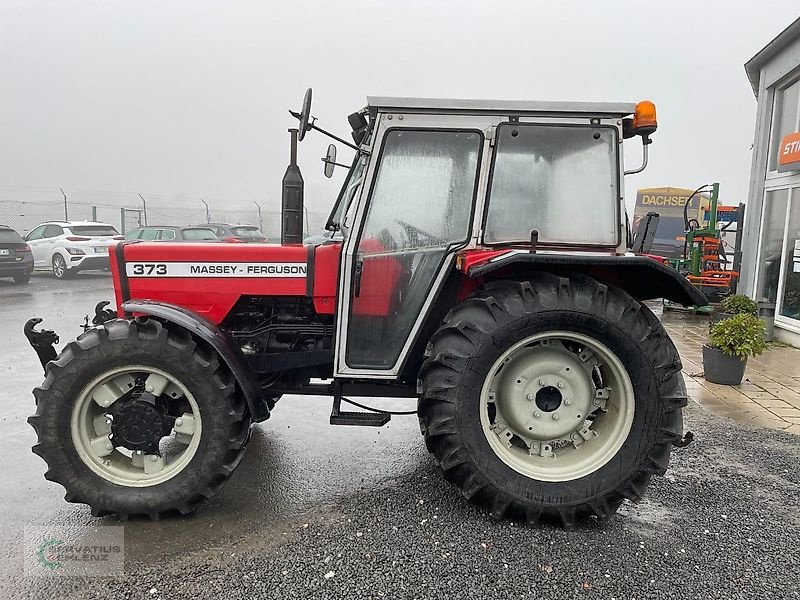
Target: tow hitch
44 340
101 315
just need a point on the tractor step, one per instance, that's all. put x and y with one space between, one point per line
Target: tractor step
363 419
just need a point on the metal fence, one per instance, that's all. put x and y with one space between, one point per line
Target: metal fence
25 210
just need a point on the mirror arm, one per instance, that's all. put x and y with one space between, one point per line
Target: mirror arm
330 162
645 143
311 125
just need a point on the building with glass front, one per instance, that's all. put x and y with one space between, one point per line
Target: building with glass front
771 242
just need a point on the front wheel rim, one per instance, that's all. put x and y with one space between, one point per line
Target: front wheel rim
92 436
557 406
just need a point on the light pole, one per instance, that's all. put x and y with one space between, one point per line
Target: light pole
208 213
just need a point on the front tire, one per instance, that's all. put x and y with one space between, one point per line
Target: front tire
513 364
132 376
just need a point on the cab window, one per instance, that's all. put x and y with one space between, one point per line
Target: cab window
559 180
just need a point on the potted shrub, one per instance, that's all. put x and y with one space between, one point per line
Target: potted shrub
730 343
738 304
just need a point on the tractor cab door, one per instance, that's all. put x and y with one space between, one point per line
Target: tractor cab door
414 211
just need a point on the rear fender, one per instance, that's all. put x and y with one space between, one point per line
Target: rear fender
222 343
642 277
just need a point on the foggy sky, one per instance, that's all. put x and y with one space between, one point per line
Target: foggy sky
190 98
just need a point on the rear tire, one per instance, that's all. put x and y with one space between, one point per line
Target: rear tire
22 279
108 484
468 352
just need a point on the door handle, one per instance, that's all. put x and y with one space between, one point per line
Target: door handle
357 278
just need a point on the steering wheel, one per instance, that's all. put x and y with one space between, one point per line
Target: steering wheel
305 115
416 232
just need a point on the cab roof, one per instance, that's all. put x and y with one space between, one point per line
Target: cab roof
503 107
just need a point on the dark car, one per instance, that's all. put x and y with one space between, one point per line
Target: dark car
237 233
16 259
169 233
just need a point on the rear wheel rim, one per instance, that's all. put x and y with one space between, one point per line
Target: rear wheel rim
93 439
59 266
557 406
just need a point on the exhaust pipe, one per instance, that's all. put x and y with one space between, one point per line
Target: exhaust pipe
292 199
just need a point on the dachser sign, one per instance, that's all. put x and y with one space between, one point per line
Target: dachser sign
666 201
789 152
663 200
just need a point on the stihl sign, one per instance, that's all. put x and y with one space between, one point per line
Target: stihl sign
789 153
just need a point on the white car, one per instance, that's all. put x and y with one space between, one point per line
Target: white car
66 247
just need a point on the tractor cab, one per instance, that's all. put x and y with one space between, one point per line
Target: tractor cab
440 186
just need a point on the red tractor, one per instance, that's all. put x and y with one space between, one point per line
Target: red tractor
477 261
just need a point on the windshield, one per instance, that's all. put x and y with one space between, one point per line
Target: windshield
248 232
93 230
9 236
198 234
560 180
351 185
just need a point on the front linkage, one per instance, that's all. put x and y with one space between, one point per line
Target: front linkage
44 340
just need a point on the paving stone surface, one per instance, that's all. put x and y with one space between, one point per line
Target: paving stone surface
769 395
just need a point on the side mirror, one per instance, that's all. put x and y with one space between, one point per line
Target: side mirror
330 161
305 115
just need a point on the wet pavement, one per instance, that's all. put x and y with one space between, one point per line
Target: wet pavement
343 512
769 395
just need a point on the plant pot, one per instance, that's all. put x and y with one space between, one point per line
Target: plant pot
721 368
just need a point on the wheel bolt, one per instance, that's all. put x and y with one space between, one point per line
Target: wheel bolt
537 414
148 388
567 401
153 458
109 446
541 382
178 422
560 385
555 417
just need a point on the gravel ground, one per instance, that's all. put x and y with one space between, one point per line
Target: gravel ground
723 523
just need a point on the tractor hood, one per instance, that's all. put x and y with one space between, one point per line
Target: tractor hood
208 278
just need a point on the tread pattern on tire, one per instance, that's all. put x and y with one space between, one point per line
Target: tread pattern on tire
467 330
120 336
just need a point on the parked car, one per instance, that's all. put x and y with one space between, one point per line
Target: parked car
66 247
170 233
16 259
237 233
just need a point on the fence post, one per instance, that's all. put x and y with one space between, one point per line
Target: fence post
144 207
66 213
260 222
122 221
94 213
